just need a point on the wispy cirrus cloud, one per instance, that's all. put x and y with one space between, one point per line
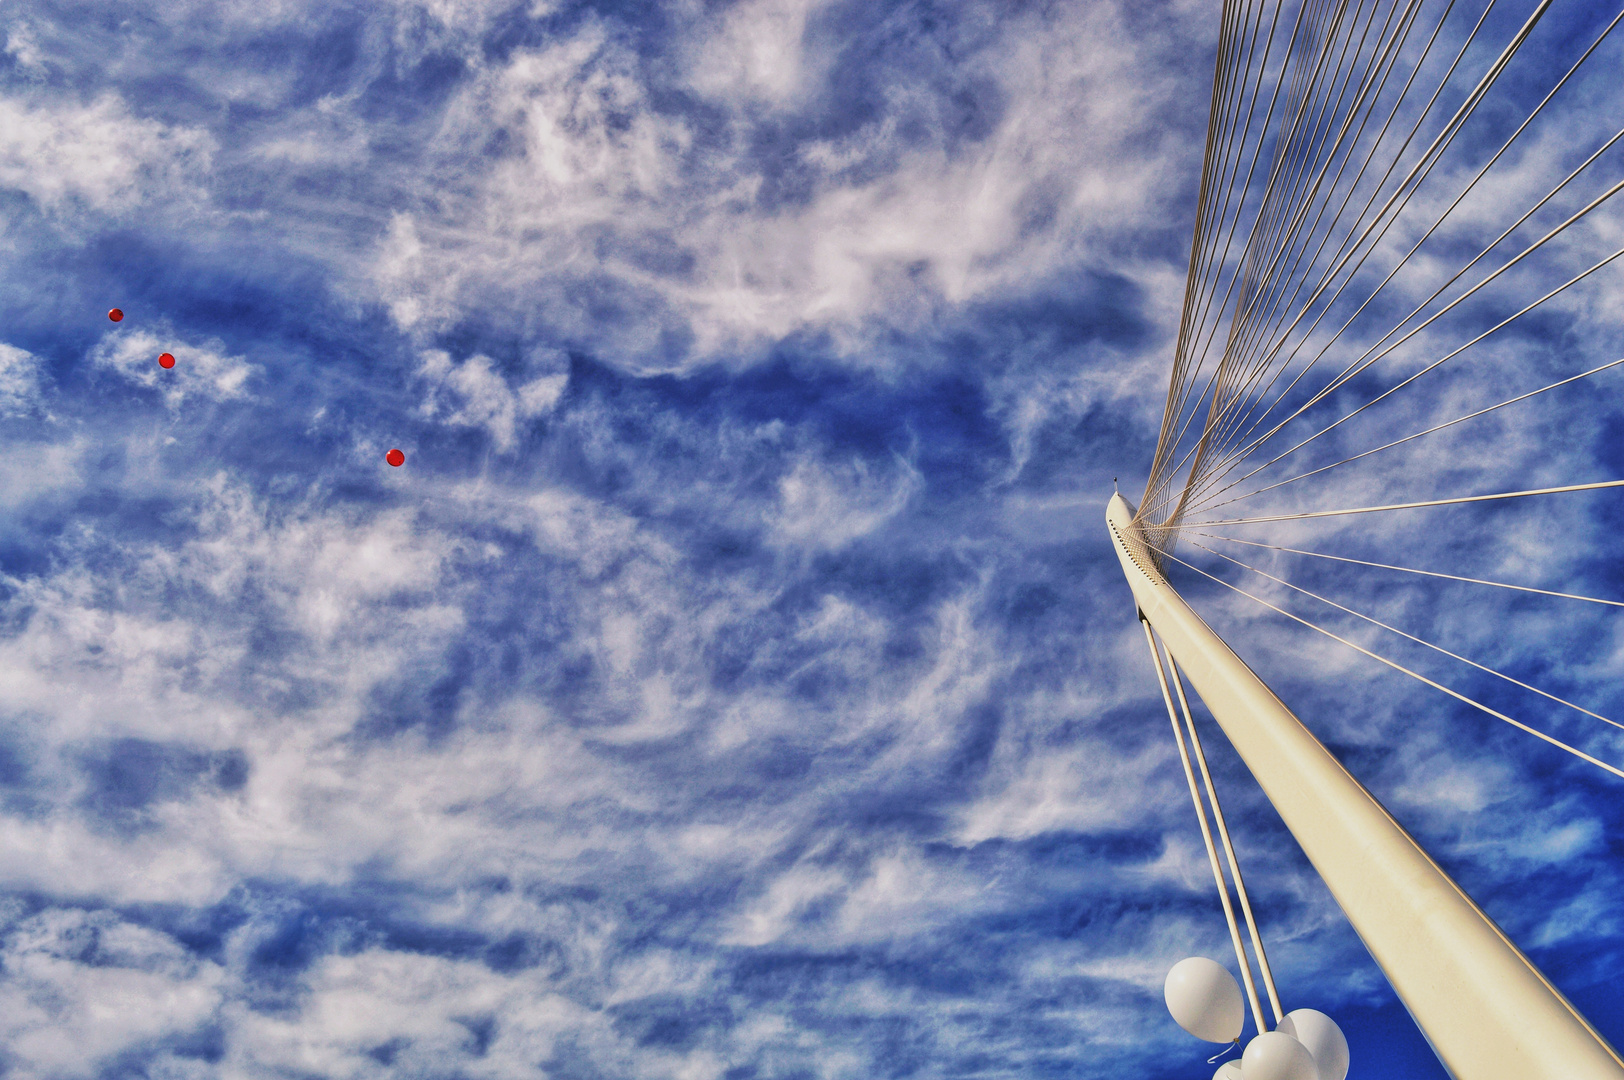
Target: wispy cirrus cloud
734 681
97 156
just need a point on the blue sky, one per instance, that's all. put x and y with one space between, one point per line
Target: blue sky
736 682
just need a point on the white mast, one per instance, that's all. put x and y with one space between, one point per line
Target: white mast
1485 1008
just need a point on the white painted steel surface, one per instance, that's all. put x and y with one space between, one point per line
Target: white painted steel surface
1486 1010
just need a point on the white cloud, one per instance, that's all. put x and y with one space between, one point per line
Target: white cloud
1082 789
45 472
786 900
758 51
201 371
602 193
590 533
98 155
904 895
82 987
483 397
826 507
328 573
21 45
1590 913
895 896
20 378
425 1012
353 601
625 718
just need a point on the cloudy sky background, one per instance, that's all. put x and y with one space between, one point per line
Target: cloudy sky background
737 681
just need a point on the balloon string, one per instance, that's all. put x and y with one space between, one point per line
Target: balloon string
1224 1052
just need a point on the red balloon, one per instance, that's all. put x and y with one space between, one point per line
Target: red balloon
116 314
395 458
167 360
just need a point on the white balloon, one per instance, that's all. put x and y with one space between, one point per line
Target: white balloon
1323 1039
1205 1000
1274 1055
1229 1070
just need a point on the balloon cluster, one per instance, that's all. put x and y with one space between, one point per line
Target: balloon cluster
1206 1001
167 361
